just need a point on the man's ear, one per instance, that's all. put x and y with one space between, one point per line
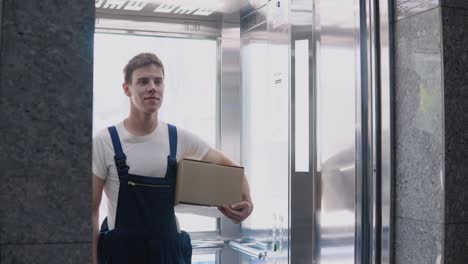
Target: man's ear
126 89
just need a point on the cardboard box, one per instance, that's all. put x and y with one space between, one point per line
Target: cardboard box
203 183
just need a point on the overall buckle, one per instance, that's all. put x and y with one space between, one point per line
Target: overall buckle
121 162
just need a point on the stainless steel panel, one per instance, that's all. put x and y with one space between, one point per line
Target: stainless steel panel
230 114
302 192
337 93
230 95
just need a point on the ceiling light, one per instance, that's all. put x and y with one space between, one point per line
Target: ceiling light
136 5
165 8
115 4
99 3
185 10
203 12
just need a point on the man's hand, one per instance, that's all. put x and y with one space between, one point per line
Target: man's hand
237 212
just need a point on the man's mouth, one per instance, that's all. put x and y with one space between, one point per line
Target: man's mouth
151 98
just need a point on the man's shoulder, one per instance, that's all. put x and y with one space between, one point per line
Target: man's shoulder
165 127
181 132
188 137
104 135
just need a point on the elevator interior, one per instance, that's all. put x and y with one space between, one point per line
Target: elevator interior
297 92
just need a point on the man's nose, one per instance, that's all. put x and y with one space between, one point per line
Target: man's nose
153 87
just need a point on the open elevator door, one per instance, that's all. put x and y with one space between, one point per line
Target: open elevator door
297 104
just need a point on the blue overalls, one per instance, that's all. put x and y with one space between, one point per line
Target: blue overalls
145 224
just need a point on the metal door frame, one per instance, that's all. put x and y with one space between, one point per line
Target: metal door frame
376 219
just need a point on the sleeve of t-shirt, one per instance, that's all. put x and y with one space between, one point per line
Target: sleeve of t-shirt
99 158
192 145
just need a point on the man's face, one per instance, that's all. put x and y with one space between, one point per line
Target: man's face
147 88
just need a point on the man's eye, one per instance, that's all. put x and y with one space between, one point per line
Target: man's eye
143 81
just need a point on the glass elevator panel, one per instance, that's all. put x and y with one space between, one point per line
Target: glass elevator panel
287 88
265 126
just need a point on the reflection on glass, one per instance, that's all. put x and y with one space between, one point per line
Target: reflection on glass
190 90
337 135
301 105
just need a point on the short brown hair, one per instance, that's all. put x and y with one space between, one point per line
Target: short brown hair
141 60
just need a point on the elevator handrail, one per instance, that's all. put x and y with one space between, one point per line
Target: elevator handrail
248 249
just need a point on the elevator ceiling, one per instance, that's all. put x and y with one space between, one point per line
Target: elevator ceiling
194 9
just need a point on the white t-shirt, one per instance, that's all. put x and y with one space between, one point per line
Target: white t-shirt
146 156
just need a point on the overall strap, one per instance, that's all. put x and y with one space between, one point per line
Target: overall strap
119 158
172 140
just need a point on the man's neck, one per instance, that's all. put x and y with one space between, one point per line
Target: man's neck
141 124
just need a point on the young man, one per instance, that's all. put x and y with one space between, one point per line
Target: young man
135 163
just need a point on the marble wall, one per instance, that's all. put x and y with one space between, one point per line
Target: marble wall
455 45
46 104
419 166
459 4
1 13
431 131
455 58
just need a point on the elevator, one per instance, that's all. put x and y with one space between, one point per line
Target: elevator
297 92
